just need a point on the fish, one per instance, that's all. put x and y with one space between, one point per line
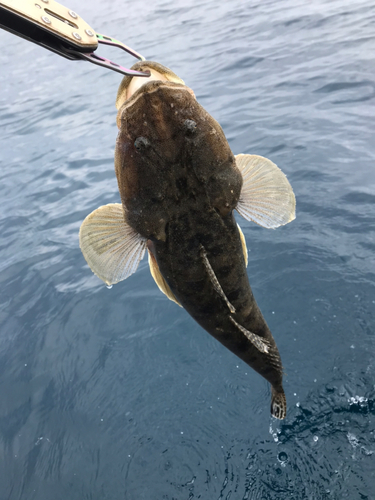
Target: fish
179 184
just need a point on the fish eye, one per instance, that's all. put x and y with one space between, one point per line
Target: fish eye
141 143
190 126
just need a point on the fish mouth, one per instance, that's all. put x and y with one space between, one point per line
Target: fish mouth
138 83
150 87
130 84
131 88
136 88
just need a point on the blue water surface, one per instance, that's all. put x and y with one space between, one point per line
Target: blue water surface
119 394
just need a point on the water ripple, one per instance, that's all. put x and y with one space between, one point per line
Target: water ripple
118 393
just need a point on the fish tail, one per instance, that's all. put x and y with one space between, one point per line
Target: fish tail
278 404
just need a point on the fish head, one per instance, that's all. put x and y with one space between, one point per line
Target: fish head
165 137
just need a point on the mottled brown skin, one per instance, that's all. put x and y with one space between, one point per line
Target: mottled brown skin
179 185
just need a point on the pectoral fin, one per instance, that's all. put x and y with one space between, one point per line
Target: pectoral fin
260 343
112 249
266 198
159 280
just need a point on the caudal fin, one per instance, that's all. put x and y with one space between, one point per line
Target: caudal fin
278 404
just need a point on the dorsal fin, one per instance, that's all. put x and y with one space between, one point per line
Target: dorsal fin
214 280
259 342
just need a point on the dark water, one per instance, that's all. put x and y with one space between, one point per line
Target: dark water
118 394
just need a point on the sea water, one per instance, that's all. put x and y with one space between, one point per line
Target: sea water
120 394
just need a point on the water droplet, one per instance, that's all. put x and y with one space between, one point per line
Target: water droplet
353 440
367 452
315 438
358 400
109 286
282 457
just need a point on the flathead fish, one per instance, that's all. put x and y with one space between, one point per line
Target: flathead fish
179 184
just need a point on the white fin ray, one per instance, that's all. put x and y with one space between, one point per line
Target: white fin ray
260 343
112 249
159 280
266 198
243 243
